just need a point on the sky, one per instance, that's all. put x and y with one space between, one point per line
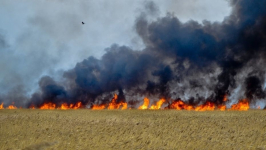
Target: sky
44 37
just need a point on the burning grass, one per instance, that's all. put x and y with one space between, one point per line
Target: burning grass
131 129
172 104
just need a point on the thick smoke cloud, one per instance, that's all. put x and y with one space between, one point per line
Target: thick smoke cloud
192 61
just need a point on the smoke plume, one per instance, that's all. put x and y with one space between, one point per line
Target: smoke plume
192 61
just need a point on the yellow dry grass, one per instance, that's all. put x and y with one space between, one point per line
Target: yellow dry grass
131 129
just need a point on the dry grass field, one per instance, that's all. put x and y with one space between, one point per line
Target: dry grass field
131 129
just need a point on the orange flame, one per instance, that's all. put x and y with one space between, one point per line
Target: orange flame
76 106
241 105
225 98
115 105
179 105
222 107
64 106
158 104
145 104
208 106
11 107
112 105
124 106
48 106
98 107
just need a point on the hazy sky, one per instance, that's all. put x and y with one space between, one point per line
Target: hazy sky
46 36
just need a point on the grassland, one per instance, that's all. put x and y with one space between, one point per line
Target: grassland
131 129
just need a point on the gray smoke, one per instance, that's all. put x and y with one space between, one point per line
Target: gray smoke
194 61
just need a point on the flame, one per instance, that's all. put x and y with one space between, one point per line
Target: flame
76 106
176 104
225 98
145 104
124 106
158 104
113 104
241 105
64 106
222 107
11 107
179 105
48 106
207 106
98 107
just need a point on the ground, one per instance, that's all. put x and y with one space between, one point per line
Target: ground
131 129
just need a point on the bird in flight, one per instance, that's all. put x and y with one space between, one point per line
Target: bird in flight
82 22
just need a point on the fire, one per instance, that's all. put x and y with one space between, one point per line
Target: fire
180 105
112 105
48 106
145 104
207 106
225 98
11 107
158 104
176 104
124 106
98 107
115 105
222 107
76 106
241 105
64 106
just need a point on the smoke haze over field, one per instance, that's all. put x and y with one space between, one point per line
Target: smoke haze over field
155 54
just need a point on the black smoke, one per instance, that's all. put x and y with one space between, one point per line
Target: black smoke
193 61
